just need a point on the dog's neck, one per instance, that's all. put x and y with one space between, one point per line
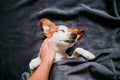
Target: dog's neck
60 51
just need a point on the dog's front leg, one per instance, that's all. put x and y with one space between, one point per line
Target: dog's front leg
80 51
34 64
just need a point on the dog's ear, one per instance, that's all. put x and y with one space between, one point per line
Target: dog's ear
80 33
48 27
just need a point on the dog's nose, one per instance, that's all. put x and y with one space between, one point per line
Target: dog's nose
74 35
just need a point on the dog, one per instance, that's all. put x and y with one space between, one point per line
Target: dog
62 38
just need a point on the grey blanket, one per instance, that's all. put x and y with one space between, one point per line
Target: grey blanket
21 37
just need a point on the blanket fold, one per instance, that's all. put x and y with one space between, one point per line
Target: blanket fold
21 37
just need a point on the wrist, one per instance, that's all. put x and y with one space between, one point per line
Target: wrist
47 62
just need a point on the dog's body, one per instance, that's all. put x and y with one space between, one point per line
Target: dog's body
62 38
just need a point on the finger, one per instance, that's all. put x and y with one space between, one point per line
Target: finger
42 45
45 44
46 40
50 45
49 40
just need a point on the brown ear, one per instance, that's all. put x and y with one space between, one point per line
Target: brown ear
80 33
48 27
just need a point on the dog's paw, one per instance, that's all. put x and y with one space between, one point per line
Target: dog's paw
88 55
34 63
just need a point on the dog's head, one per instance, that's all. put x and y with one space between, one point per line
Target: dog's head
61 35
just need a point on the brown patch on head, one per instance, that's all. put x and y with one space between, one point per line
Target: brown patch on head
79 32
48 27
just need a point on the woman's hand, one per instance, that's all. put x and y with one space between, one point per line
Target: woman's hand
47 51
47 55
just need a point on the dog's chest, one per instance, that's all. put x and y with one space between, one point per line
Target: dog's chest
60 56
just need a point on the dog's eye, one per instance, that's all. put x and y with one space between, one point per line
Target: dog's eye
62 30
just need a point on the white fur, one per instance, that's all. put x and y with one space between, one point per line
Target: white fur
61 46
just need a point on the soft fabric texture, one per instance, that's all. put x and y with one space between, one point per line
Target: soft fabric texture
21 37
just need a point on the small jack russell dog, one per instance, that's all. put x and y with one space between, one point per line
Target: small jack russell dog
62 38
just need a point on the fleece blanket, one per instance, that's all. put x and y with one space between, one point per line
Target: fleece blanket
21 37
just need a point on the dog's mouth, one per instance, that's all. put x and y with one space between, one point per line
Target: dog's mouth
69 41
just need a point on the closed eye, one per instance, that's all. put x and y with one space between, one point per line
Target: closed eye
62 31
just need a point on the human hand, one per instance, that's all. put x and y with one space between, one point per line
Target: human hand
47 51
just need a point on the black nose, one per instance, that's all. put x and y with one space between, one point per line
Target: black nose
74 35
